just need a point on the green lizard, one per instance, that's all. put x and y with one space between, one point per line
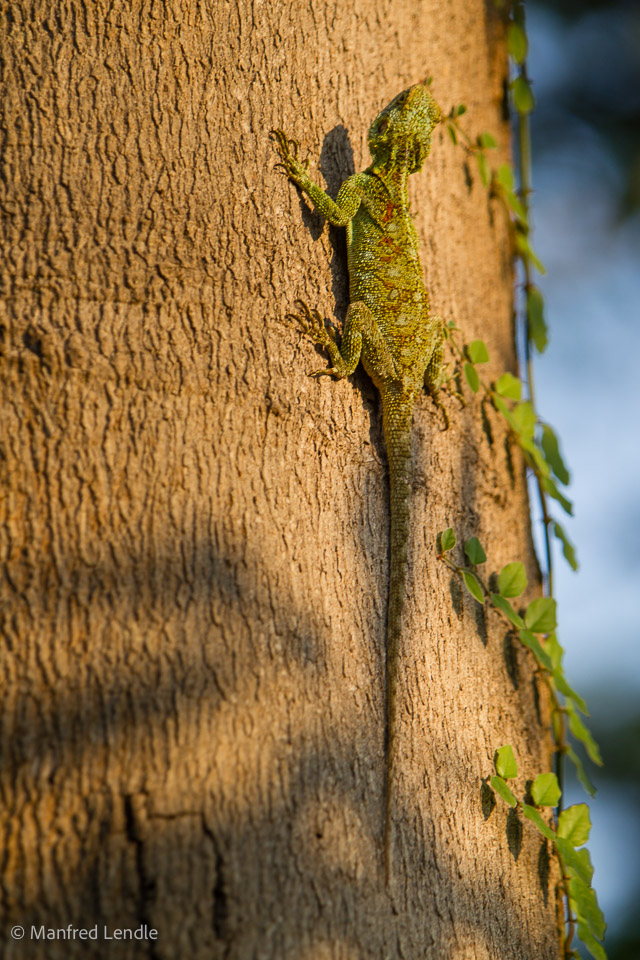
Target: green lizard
388 325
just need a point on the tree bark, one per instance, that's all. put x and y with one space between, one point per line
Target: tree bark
195 536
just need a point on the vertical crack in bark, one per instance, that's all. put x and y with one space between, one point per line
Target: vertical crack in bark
146 883
220 905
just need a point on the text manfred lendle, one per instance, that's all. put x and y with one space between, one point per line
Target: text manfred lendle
103 932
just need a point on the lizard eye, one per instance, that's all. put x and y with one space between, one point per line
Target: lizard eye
382 126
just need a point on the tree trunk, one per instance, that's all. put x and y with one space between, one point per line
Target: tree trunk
195 539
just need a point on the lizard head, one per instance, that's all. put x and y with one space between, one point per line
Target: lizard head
405 127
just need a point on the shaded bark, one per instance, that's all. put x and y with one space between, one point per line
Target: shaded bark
195 534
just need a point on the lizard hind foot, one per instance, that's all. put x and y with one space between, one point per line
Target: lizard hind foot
284 144
443 410
312 324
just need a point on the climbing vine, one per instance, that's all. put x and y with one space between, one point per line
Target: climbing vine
513 397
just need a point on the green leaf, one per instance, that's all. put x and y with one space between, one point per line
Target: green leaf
537 328
452 133
568 549
574 824
533 456
483 168
515 203
460 109
474 551
505 176
595 949
552 454
487 141
578 862
503 604
532 814
524 418
502 790
545 790
523 98
550 488
540 616
554 650
512 580
501 406
527 252
447 540
581 772
562 685
587 907
505 762
530 641
509 386
473 586
517 44
477 351
471 374
582 733
584 857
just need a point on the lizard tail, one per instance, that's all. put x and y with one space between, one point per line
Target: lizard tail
397 416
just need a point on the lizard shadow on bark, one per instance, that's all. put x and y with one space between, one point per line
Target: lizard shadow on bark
336 164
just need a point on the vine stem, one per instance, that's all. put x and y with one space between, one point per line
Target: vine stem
525 190
524 171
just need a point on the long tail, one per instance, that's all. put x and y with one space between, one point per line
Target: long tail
397 417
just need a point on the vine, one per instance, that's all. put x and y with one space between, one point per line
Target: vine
535 625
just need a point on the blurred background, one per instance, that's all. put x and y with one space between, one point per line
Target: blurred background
584 60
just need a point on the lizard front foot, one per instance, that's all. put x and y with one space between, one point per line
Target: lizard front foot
288 150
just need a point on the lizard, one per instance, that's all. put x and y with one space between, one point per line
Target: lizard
388 327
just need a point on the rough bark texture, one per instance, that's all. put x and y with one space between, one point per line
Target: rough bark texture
195 538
